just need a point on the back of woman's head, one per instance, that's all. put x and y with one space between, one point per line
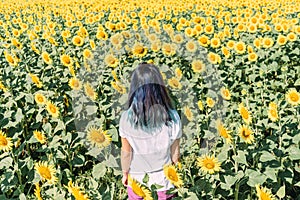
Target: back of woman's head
148 98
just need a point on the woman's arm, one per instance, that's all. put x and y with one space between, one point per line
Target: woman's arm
175 151
126 155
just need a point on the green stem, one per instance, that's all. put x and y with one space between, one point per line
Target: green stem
236 192
237 185
18 172
25 133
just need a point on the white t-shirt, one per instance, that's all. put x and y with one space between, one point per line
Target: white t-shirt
151 151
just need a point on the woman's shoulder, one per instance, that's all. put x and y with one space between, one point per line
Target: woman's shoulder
124 116
175 116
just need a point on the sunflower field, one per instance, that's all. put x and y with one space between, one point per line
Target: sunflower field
231 66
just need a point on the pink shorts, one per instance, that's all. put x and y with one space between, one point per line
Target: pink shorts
161 195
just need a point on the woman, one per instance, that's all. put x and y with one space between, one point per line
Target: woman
150 130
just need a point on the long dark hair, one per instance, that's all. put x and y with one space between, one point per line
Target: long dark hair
148 101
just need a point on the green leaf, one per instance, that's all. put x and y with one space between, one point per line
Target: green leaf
146 178
230 180
285 58
91 109
6 162
294 153
295 51
78 161
60 126
281 192
266 156
47 128
297 82
22 196
255 177
271 173
30 164
241 157
111 162
99 170
19 115
95 152
156 186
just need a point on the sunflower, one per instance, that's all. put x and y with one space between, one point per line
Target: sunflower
37 191
292 37
252 57
33 47
178 73
92 44
230 44
98 137
245 113
191 46
246 134
215 42
139 189
87 54
209 29
264 193
200 105
214 58
11 59
210 102
74 83
188 113
116 40
40 98
172 175
252 28
226 52
36 80
111 60
208 164
204 41
66 34
46 171
250 49
293 97
240 47
189 32
52 109
46 58
198 66
198 28
223 131
174 83
155 46
225 93
257 43
39 136
101 35
5 142
267 42
273 113
281 40
16 32
139 50
77 41
117 86
76 191
177 38
169 49
66 60
2 87
89 91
